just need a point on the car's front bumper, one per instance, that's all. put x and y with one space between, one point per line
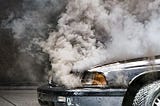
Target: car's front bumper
81 97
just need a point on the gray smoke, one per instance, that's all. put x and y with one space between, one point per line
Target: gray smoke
35 18
93 32
87 33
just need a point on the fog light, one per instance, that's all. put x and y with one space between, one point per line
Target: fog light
61 99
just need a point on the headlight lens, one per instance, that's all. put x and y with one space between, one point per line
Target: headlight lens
94 79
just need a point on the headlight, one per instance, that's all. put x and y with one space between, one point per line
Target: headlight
94 79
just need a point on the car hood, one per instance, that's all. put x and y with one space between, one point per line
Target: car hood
119 74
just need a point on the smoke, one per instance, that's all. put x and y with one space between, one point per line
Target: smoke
30 25
92 32
84 33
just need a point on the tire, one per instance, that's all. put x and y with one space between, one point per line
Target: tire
149 95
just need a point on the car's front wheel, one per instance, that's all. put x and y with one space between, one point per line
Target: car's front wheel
148 95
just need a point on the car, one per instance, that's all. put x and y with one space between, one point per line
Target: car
132 82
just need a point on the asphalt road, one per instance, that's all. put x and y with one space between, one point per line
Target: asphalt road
18 98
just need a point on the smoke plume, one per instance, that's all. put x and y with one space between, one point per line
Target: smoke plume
92 32
87 33
30 21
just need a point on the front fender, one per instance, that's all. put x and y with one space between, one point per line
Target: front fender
137 82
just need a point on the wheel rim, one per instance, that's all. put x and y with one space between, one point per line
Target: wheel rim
156 101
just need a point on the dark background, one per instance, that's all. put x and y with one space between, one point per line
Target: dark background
17 68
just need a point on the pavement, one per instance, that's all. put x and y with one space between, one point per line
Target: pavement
21 96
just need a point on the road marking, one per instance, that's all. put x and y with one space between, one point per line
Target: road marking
8 101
